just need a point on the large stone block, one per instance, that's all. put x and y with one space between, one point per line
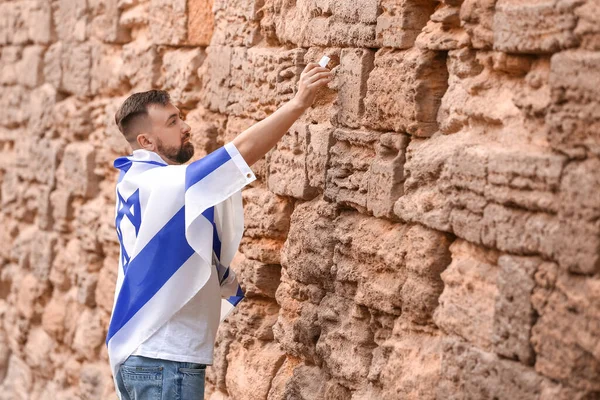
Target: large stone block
401 22
267 223
514 314
53 318
253 320
43 251
217 373
266 214
215 76
578 241
30 66
394 366
345 335
31 296
41 106
287 167
19 378
250 83
485 194
470 373
39 18
207 130
317 154
90 334
386 174
38 352
106 23
308 251
88 224
355 66
262 79
296 380
258 279
404 91
443 31
200 22
171 27
13 108
297 329
106 77
179 75
25 22
76 63
543 26
477 17
95 381
329 23
393 274
573 118
236 23
251 370
107 279
588 27
366 170
53 65
348 174
62 209
515 84
71 20
141 65
76 172
467 304
565 335
9 58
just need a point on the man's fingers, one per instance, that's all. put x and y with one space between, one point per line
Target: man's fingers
319 82
319 75
313 68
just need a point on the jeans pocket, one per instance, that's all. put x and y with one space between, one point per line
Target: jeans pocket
142 382
193 371
192 383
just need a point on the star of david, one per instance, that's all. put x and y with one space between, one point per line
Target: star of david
131 209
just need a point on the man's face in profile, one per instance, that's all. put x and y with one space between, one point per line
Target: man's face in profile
171 132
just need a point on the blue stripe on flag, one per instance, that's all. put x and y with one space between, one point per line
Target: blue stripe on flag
225 276
235 300
210 215
199 169
152 163
124 163
150 270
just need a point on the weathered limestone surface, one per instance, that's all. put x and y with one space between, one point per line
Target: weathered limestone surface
428 229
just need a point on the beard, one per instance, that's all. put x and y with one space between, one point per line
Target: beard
179 155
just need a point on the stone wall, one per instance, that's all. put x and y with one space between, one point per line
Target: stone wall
429 229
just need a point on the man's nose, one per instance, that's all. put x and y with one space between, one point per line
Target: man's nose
186 128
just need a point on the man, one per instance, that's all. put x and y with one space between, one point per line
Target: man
179 227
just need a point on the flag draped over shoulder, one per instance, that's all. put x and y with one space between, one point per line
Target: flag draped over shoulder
174 223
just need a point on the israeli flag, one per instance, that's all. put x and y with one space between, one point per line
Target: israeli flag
174 223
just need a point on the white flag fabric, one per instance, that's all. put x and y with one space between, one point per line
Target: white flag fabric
174 223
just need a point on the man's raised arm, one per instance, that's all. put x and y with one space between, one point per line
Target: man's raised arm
261 137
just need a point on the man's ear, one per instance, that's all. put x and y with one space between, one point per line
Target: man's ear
146 142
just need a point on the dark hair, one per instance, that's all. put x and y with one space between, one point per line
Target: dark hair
136 107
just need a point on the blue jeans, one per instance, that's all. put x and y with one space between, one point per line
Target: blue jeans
143 378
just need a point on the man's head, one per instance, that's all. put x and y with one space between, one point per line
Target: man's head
149 121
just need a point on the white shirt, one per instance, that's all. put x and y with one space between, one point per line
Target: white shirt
189 336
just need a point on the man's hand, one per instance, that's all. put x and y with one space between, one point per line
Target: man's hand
311 79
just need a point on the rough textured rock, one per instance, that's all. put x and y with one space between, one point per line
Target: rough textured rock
428 229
